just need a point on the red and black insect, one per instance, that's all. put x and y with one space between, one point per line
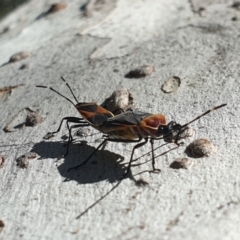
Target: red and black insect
131 126
135 126
92 114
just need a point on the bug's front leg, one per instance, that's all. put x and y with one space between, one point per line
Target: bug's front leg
68 120
80 123
154 170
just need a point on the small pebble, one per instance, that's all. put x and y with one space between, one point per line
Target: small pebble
141 72
236 5
25 117
83 132
23 161
171 85
5 30
141 182
184 163
56 7
200 11
24 66
201 148
48 136
19 56
120 100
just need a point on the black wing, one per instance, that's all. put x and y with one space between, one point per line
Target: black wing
133 117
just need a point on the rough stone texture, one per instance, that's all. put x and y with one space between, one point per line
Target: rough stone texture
93 54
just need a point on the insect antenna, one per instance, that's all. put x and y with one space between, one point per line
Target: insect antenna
57 93
69 88
207 112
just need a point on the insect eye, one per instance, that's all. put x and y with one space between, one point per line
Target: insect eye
163 130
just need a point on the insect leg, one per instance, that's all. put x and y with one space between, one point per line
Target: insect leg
82 124
135 147
70 138
68 119
168 151
131 159
102 144
89 157
178 138
155 170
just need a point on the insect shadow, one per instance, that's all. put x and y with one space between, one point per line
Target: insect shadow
104 165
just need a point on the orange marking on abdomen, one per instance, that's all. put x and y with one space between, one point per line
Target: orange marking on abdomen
154 121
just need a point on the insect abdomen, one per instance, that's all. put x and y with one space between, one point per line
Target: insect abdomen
93 113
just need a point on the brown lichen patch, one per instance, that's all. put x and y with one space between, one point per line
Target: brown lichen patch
171 85
201 148
2 161
140 72
25 117
23 160
7 91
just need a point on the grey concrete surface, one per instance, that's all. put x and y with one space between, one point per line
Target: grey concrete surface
94 53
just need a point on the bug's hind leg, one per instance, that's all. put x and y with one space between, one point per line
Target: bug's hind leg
89 157
131 159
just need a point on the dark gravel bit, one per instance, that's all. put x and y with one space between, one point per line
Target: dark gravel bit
2 161
184 163
140 72
19 56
